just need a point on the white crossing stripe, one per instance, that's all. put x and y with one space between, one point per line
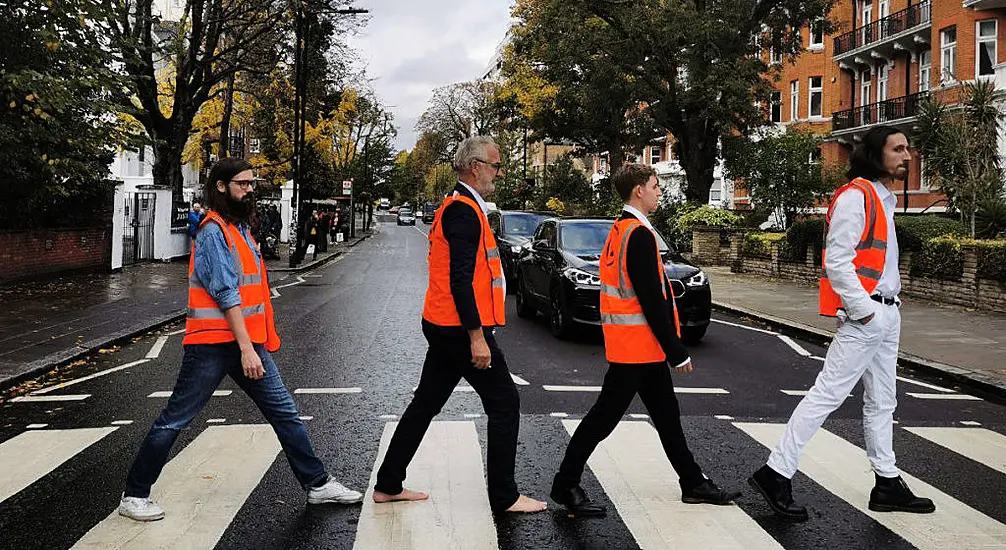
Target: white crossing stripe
35 426
792 344
49 398
595 389
457 516
217 393
121 422
174 333
637 416
558 415
944 396
799 392
723 417
842 468
216 420
970 423
633 470
25 458
924 385
155 350
62 385
978 444
519 381
327 390
745 327
460 388
201 491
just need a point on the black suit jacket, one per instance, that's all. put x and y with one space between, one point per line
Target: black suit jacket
640 263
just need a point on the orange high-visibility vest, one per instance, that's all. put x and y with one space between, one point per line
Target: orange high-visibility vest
439 307
628 338
871 252
205 322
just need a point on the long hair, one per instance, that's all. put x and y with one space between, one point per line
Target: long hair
223 170
867 159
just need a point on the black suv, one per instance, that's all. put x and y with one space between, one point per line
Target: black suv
513 230
559 276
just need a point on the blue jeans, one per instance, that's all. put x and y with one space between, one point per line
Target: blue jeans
203 367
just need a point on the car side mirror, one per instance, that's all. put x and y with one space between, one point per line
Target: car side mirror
540 246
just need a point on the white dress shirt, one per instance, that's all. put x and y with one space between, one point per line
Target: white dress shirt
848 220
485 212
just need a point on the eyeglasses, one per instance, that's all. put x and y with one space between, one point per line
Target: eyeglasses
496 165
244 184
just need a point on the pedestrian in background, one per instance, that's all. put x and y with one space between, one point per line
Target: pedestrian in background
642 343
860 288
229 331
463 306
195 218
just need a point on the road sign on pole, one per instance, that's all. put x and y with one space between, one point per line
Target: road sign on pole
347 187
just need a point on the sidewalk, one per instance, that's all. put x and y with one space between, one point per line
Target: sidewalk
960 346
50 323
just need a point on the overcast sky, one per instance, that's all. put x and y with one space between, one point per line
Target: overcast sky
411 47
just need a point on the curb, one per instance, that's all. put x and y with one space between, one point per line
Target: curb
321 262
977 382
41 366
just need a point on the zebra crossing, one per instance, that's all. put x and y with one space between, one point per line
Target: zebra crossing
207 484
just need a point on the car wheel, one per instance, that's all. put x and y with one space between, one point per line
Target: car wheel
524 309
692 335
560 322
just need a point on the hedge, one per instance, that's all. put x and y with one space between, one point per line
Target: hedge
991 259
708 216
940 257
759 245
914 231
802 235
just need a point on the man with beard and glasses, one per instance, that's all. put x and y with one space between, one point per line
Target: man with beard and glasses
229 331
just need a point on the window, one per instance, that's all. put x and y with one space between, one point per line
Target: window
883 76
494 223
547 234
985 53
602 165
817 35
255 146
816 97
866 17
865 90
654 155
794 100
775 115
925 70
883 9
775 55
948 54
716 191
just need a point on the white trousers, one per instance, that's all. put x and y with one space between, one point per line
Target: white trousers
858 351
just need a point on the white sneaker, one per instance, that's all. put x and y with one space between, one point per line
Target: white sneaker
140 509
333 492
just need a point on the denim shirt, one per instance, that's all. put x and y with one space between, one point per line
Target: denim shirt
214 264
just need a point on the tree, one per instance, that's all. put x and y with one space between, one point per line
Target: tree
461 110
696 64
780 171
961 149
57 128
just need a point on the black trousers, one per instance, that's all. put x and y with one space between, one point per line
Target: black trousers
448 360
621 383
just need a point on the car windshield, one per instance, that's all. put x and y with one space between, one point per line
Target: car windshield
521 224
405 211
587 238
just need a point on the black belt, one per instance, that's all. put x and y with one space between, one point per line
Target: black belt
884 300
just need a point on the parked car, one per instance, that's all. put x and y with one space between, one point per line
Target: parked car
384 204
406 217
513 230
429 211
394 209
559 276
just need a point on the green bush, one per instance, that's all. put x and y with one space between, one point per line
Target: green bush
940 257
990 221
708 216
759 245
802 235
914 231
991 259
665 220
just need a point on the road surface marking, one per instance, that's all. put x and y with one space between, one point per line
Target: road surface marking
62 385
978 444
639 416
155 350
217 393
448 466
842 468
924 385
176 332
388 416
306 418
595 389
327 390
25 458
201 491
572 388
945 396
457 389
121 422
473 416
745 327
792 344
216 420
723 417
559 415
800 392
970 423
519 381
817 358
35 426
47 398
632 468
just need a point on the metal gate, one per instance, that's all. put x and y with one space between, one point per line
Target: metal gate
138 229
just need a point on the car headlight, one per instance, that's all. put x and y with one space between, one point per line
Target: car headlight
699 279
581 277
516 249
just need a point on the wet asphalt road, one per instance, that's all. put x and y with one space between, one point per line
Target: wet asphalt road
356 323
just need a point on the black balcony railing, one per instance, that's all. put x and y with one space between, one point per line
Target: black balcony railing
880 29
875 113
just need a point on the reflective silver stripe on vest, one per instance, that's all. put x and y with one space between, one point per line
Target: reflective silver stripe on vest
497 282
617 292
255 279
877 244
215 313
621 255
194 282
623 319
492 253
869 273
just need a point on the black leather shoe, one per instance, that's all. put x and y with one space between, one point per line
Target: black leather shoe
893 495
778 493
708 493
577 502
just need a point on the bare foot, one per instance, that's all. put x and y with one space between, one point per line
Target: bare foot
526 505
405 495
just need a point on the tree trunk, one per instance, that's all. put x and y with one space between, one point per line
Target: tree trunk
225 120
698 148
168 164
